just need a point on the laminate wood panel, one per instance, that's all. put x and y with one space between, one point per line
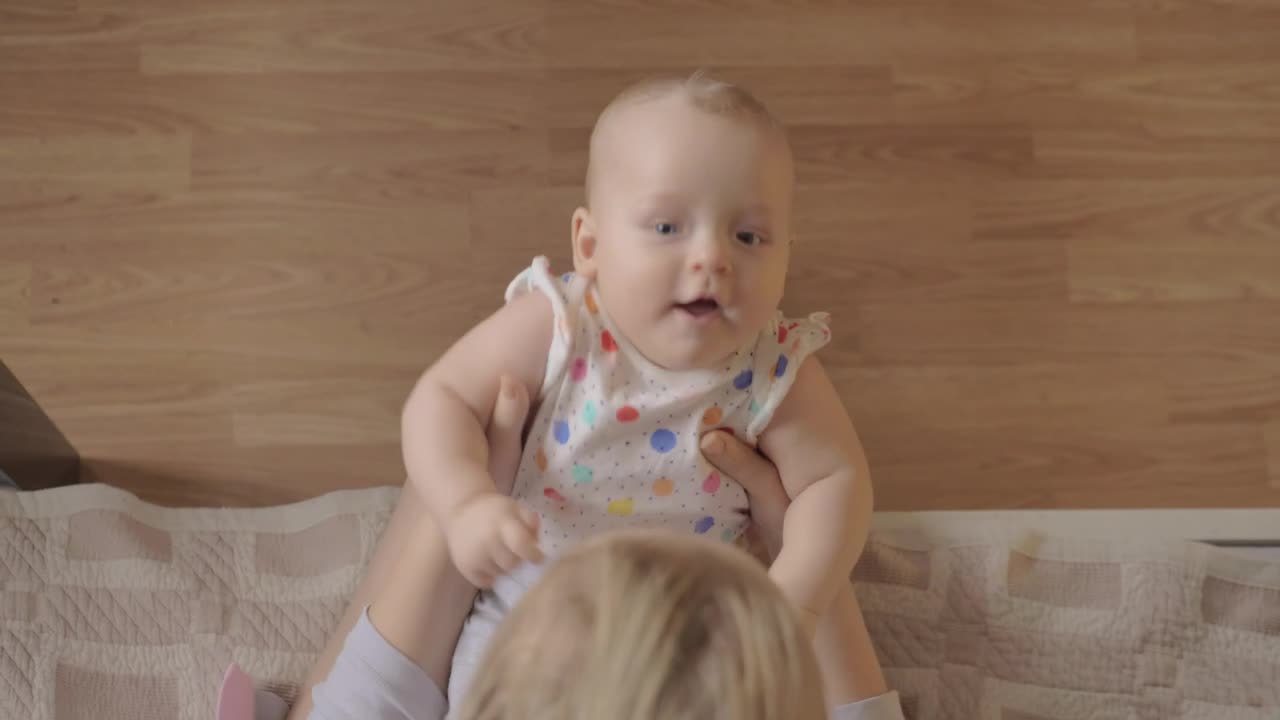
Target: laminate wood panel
309 36
233 234
59 35
15 279
1272 436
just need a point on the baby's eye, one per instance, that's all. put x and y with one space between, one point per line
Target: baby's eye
665 228
748 238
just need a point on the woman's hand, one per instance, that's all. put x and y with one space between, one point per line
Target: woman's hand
753 471
506 426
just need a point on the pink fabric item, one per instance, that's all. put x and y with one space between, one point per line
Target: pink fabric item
235 697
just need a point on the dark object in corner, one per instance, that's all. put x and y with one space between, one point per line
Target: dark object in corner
34 454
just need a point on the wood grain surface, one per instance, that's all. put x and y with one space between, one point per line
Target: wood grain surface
232 233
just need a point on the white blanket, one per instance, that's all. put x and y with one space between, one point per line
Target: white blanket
114 608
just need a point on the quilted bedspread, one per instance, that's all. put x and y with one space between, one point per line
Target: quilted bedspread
114 608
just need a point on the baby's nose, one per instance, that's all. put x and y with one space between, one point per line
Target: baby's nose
709 256
708 266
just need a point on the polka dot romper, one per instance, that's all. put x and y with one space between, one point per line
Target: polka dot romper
615 440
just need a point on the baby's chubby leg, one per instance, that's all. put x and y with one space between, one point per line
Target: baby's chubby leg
412 535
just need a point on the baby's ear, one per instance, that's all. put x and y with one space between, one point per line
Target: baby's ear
583 228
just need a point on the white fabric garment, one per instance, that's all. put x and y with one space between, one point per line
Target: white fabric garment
614 443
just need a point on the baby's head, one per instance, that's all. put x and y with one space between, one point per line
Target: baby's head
638 625
687 225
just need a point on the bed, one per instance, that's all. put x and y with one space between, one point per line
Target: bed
114 608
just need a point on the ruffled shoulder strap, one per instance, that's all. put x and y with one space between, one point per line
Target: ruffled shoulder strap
565 293
779 353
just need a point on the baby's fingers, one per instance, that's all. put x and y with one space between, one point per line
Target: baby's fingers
504 558
522 537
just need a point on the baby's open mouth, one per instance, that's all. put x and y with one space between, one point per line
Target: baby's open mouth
701 307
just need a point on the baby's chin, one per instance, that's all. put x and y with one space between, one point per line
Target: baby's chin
688 362
684 353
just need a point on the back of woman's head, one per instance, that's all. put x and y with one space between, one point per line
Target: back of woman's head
647 626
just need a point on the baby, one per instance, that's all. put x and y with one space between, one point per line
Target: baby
667 328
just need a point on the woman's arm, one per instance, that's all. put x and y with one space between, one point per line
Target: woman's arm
410 550
850 670
425 586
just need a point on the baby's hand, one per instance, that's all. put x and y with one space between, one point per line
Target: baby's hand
491 535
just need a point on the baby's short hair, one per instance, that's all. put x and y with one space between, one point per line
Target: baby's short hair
705 92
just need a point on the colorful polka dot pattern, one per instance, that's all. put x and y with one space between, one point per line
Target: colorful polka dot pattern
616 440
663 440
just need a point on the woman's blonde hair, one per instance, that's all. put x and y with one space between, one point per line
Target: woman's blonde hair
647 626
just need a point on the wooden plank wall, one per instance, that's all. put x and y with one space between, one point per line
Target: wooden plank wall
233 232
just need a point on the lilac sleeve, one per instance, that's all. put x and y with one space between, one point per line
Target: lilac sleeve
371 680
881 707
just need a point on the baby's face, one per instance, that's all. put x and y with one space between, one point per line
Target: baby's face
691 220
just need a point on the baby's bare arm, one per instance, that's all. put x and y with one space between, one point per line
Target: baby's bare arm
443 423
445 450
824 470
